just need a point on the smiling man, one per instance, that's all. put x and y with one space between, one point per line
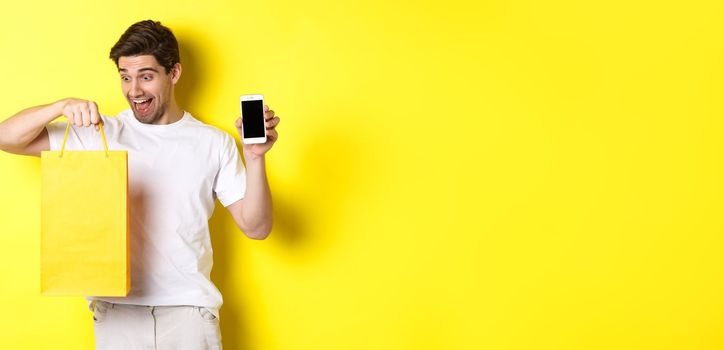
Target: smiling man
147 88
177 166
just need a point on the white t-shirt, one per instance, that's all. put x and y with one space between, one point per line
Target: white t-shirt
174 173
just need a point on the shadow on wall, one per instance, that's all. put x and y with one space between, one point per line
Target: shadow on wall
191 83
331 162
303 228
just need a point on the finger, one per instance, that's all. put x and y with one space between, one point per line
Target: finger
237 123
266 108
95 117
77 116
268 115
272 135
85 114
271 124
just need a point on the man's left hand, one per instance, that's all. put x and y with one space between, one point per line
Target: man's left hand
258 150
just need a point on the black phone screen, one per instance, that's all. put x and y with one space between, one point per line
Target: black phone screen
252 115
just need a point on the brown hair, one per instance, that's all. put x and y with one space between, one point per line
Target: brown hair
148 38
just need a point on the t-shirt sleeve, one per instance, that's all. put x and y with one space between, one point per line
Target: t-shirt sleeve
80 138
230 182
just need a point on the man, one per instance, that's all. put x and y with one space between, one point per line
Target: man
177 165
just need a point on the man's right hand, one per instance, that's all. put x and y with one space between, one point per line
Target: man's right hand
81 112
24 133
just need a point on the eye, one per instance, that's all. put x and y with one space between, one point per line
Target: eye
147 77
125 78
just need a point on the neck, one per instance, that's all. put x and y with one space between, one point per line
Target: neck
173 114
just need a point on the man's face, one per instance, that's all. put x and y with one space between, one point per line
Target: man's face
147 86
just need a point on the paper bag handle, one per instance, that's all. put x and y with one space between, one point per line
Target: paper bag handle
65 138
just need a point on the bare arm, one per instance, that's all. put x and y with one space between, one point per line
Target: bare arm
253 213
25 134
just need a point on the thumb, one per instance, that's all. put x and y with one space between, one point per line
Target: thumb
239 129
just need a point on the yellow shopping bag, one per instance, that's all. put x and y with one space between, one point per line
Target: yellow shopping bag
84 244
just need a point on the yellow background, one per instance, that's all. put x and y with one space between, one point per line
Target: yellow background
449 175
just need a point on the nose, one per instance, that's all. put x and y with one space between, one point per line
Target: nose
135 90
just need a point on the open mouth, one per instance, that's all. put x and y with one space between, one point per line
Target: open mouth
142 105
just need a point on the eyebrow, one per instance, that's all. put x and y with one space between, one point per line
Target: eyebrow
123 70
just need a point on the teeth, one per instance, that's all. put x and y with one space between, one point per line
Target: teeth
140 101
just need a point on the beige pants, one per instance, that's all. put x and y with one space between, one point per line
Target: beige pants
131 327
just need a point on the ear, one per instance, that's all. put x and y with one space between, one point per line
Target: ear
175 73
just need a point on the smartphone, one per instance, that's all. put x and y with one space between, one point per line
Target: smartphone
252 118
